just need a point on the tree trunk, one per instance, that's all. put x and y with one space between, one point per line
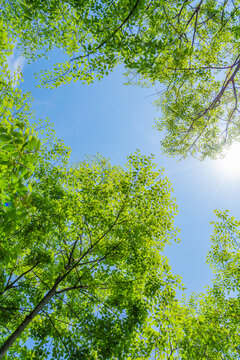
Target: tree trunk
27 320
36 310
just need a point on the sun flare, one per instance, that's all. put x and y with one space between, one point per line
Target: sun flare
230 164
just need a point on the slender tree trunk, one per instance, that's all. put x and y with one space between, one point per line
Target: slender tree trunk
50 294
27 320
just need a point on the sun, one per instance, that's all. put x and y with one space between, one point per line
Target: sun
230 164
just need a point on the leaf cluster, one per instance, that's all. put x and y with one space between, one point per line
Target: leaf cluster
189 49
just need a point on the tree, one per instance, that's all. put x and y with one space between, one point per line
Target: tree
206 326
20 146
190 48
82 274
85 270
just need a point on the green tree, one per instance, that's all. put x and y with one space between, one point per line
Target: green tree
20 146
84 271
206 326
190 48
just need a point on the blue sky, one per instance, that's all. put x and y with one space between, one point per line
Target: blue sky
114 120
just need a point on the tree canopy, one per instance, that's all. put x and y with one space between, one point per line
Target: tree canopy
189 49
80 278
21 149
206 326
18 144
83 273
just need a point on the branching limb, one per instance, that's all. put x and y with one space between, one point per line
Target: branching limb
11 285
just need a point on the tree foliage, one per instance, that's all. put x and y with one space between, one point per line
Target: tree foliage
81 276
82 270
189 48
19 144
21 150
206 326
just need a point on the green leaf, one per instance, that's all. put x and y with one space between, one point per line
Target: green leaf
3 184
4 138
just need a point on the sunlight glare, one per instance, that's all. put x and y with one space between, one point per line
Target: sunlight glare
230 164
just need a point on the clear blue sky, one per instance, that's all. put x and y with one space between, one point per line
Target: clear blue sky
115 120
